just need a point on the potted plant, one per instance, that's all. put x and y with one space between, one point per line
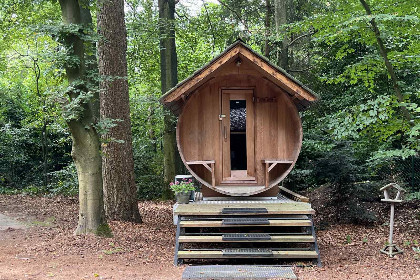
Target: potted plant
182 190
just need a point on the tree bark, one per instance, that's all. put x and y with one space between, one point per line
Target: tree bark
280 18
169 78
120 193
388 64
86 145
268 12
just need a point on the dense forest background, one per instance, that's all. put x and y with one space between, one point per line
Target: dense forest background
356 138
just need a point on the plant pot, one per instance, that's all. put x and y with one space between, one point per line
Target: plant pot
183 197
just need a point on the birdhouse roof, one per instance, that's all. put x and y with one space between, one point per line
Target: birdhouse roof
176 97
392 185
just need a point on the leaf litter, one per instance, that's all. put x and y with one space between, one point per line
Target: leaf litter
49 250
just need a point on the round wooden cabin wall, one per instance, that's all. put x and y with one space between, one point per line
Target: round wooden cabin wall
277 134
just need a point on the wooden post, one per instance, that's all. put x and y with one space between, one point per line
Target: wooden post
266 175
391 228
213 178
391 249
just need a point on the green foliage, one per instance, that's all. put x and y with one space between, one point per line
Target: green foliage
355 137
348 239
103 230
182 186
64 181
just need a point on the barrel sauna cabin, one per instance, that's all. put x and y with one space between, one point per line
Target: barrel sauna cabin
239 134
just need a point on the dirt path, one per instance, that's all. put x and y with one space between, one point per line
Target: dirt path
47 249
8 223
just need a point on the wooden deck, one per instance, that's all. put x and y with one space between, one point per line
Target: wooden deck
272 223
274 239
215 208
218 254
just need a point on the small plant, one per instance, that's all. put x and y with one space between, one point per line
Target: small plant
364 240
407 243
348 239
113 249
182 187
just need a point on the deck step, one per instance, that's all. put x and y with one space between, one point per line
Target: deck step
240 272
219 254
198 209
244 210
248 252
245 221
246 237
273 238
271 222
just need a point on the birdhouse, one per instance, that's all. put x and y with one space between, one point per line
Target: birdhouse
392 193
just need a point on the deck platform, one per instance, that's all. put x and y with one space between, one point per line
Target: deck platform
235 228
281 206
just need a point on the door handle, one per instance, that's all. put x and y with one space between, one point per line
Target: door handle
225 133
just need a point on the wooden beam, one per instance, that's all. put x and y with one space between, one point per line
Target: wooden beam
219 238
298 196
290 85
218 254
277 161
200 161
200 77
213 178
267 178
273 223
207 167
272 166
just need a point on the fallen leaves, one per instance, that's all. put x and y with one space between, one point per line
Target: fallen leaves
145 251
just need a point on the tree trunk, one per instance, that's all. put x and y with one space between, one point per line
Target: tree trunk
169 78
280 17
85 146
267 28
388 64
120 193
85 152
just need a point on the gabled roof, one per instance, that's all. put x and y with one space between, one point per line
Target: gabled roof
302 96
392 185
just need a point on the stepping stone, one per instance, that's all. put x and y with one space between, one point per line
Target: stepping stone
243 272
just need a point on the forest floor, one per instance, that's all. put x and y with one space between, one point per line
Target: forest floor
45 248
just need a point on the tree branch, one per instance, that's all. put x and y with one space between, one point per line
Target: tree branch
388 64
238 16
300 37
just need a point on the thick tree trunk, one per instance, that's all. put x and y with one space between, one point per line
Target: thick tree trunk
85 146
120 193
85 153
169 78
280 17
388 64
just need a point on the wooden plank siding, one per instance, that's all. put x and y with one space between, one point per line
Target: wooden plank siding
277 128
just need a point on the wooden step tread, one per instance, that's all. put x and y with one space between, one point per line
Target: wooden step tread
218 254
198 209
219 223
219 238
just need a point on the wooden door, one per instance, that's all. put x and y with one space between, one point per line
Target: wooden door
238 141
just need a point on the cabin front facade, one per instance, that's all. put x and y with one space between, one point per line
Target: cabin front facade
239 134
239 131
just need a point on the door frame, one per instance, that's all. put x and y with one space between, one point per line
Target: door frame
226 95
